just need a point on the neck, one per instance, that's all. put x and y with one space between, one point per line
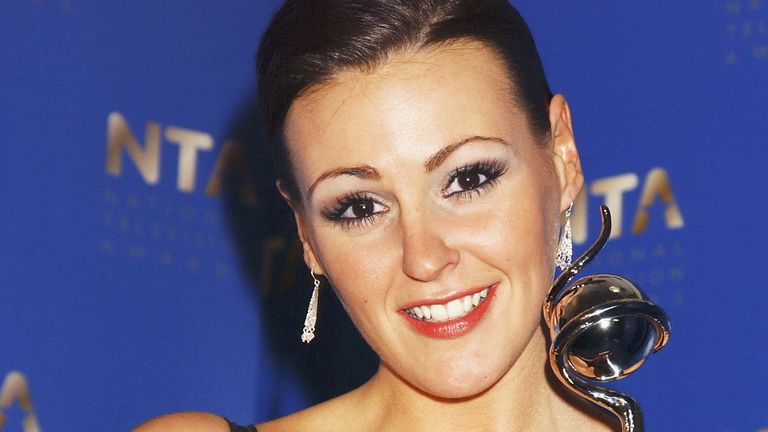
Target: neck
525 398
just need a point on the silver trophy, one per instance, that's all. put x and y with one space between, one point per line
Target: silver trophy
602 328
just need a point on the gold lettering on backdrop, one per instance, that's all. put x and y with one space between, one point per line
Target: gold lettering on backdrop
657 185
146 159
190 142
15 389
232 159
746 27
613 188
229 153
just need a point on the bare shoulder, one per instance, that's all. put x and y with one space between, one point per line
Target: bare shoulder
184 422
317 418
341 413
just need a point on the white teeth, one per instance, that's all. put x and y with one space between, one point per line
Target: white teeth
455 308
466 303
439 312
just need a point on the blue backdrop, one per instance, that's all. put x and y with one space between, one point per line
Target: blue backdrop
144 270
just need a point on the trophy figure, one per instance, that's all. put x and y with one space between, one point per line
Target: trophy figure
602 328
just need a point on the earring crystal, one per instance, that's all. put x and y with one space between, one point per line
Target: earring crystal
309 322
565 248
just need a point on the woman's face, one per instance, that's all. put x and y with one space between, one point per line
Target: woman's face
432 210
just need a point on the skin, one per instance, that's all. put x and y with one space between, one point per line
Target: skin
429 237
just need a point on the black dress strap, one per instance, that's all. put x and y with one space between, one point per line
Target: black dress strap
237 428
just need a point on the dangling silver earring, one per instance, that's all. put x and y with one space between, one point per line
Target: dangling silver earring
565 248
309 322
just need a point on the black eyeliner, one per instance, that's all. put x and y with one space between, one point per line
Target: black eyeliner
492 169
343 203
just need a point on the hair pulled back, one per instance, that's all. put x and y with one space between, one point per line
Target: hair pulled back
308 42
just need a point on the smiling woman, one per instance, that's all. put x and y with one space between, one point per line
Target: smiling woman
428 167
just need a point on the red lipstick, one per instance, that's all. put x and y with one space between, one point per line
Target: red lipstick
453 328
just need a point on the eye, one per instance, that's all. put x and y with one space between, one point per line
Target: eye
361 209
466 181
473 178
355 209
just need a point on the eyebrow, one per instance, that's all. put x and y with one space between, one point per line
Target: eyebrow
368 172
438 158
363 171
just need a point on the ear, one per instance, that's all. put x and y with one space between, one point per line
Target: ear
310 258
565 154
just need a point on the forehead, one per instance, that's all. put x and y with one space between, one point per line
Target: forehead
413 104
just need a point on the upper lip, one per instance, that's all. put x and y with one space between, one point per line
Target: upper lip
445 299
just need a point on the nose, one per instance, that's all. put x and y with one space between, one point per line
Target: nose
425 251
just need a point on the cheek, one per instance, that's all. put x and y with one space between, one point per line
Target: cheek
359 269
518 230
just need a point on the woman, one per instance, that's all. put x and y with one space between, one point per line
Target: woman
428 167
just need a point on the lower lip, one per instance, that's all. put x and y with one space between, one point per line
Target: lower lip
455 328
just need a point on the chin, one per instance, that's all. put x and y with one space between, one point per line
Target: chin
470 375
461 382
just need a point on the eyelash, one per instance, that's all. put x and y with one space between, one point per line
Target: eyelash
344 203
490 169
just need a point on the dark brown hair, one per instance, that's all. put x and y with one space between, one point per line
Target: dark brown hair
308 42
